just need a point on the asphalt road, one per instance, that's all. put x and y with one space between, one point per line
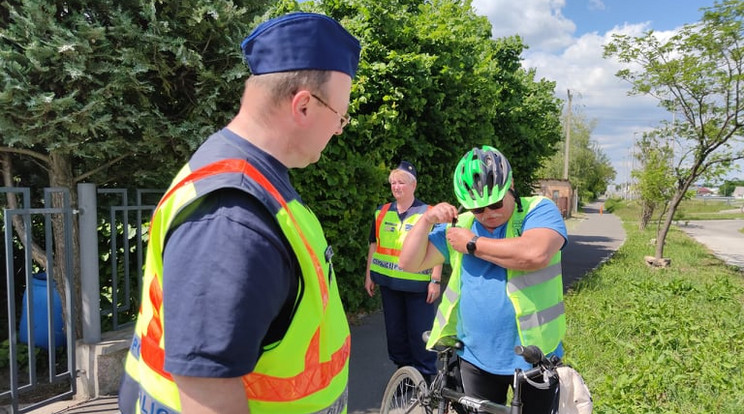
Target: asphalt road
722 237
591 241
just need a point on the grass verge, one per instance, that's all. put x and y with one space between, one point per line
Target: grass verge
659 340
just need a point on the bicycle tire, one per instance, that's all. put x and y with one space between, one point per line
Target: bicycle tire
404 393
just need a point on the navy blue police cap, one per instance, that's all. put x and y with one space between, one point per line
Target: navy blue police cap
407 167
301 41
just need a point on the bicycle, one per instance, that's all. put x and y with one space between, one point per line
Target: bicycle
408 393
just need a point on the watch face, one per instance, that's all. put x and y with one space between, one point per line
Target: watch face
471 246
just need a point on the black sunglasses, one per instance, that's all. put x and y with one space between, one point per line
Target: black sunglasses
495 206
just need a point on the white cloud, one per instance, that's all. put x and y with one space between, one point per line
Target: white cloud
599 95
539 22
596 5
577 63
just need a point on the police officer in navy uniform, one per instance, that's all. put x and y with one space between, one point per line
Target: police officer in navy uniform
236 314
408 298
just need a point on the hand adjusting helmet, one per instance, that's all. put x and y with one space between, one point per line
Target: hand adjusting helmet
482 177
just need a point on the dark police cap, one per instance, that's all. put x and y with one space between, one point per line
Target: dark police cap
407 167
301 41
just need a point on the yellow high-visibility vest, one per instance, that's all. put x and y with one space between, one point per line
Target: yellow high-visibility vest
307 371
391 232
537 295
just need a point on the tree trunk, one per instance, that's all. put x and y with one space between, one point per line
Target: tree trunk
38 254
647 211
661 237
60 175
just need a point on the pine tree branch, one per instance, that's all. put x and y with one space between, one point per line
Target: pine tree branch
82 177
28 152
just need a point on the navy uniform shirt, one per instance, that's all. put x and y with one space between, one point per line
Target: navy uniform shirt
230 279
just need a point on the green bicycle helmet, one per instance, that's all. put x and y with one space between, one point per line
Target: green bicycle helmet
482 177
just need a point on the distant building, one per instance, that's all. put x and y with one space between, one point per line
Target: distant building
561 192
738 192
704 191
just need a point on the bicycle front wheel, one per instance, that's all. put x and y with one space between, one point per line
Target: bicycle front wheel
406 393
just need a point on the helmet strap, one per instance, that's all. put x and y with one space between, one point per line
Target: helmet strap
517 200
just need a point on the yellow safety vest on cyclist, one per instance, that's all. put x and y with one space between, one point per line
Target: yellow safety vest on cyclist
391 232
537 296
307 371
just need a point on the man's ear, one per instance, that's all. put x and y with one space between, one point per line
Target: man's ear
301 107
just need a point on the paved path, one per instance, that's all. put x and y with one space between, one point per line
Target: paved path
722 237
103 405
591 241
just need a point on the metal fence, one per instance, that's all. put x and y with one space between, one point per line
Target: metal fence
112 239
125 252
37 343
719 199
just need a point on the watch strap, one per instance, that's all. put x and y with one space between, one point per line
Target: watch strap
471 245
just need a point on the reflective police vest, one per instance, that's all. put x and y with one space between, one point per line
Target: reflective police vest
307 371
390 233
537 295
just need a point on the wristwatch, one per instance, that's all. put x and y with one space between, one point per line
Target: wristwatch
471 245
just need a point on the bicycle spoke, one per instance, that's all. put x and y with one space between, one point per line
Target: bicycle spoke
404 394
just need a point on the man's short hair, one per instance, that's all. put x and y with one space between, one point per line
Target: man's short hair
285 84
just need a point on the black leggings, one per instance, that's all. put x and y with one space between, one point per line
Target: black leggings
481 384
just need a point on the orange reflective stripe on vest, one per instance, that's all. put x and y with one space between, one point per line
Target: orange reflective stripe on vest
150 350
242 166
383 210
380 217
378 223
316 375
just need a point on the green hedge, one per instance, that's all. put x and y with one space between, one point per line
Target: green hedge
431 84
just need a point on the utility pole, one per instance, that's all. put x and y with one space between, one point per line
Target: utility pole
568 137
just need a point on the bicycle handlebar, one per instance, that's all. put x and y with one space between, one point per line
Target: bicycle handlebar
531 353
541 376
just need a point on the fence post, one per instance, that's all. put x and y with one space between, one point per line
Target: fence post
89 283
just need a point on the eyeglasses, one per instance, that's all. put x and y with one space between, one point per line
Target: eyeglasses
494 206
344 118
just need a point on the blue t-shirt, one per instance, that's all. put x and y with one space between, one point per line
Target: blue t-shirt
486 318
228 275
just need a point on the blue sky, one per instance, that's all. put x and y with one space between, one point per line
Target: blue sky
595 16
565 39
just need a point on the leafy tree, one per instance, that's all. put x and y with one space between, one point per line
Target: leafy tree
655 181
728 187
696 73
589 169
